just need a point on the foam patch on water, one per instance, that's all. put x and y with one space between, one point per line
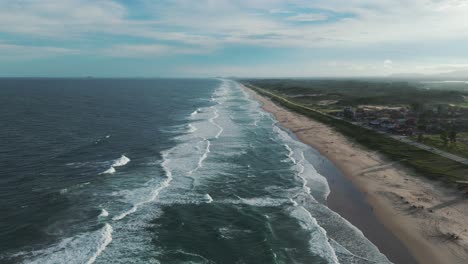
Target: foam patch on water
103 213
290 153
208 198
197 256
312 182
194 113
83 248
230 232
257 201
111 170
202 158
191 128
154 193
318 241
122 161
347 244
212 120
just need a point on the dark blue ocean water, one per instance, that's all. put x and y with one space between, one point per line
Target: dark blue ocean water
159 171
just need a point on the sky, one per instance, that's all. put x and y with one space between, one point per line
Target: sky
246 38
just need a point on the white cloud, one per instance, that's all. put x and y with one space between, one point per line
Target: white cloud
388 64
280 11
307 17
11 51
207 25
150 51
216 23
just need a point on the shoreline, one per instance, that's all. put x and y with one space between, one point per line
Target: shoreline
420 215
351 204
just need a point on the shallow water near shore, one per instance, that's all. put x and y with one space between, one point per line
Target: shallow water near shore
162 171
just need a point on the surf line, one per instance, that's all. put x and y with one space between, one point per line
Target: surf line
212 121
164 184
208 142
203 157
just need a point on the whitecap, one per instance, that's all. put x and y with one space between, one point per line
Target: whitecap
212 120
257 201
191 128
194 113
103 213
319 240
290 154
82 248
111 170
122 161
154 193
208 198
202 158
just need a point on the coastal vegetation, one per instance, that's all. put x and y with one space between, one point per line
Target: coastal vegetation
285 92
336 94
442 141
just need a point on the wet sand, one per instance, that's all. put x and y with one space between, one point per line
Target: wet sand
350 203
406 216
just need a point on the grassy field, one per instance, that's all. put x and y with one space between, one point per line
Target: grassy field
424 163
459 148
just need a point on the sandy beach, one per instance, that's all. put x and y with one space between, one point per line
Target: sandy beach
429 219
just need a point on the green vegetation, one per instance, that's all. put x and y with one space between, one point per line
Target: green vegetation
437 141
335 94
425 163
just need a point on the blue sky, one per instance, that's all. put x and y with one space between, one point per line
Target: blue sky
263 38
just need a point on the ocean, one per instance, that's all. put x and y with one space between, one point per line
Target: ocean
160 171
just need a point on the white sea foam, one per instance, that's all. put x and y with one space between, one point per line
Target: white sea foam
205 260
306 172
122 161
348 244
290 154
205 154
124 214
82 248
230 232
257 201
301 167
319 241
216 115
194 113
208 198
202 158
154 193
103 213
105 240
191 128
294 203
111 170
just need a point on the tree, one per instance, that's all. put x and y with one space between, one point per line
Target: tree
453 136
422 125
417 107
444 137
420 137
